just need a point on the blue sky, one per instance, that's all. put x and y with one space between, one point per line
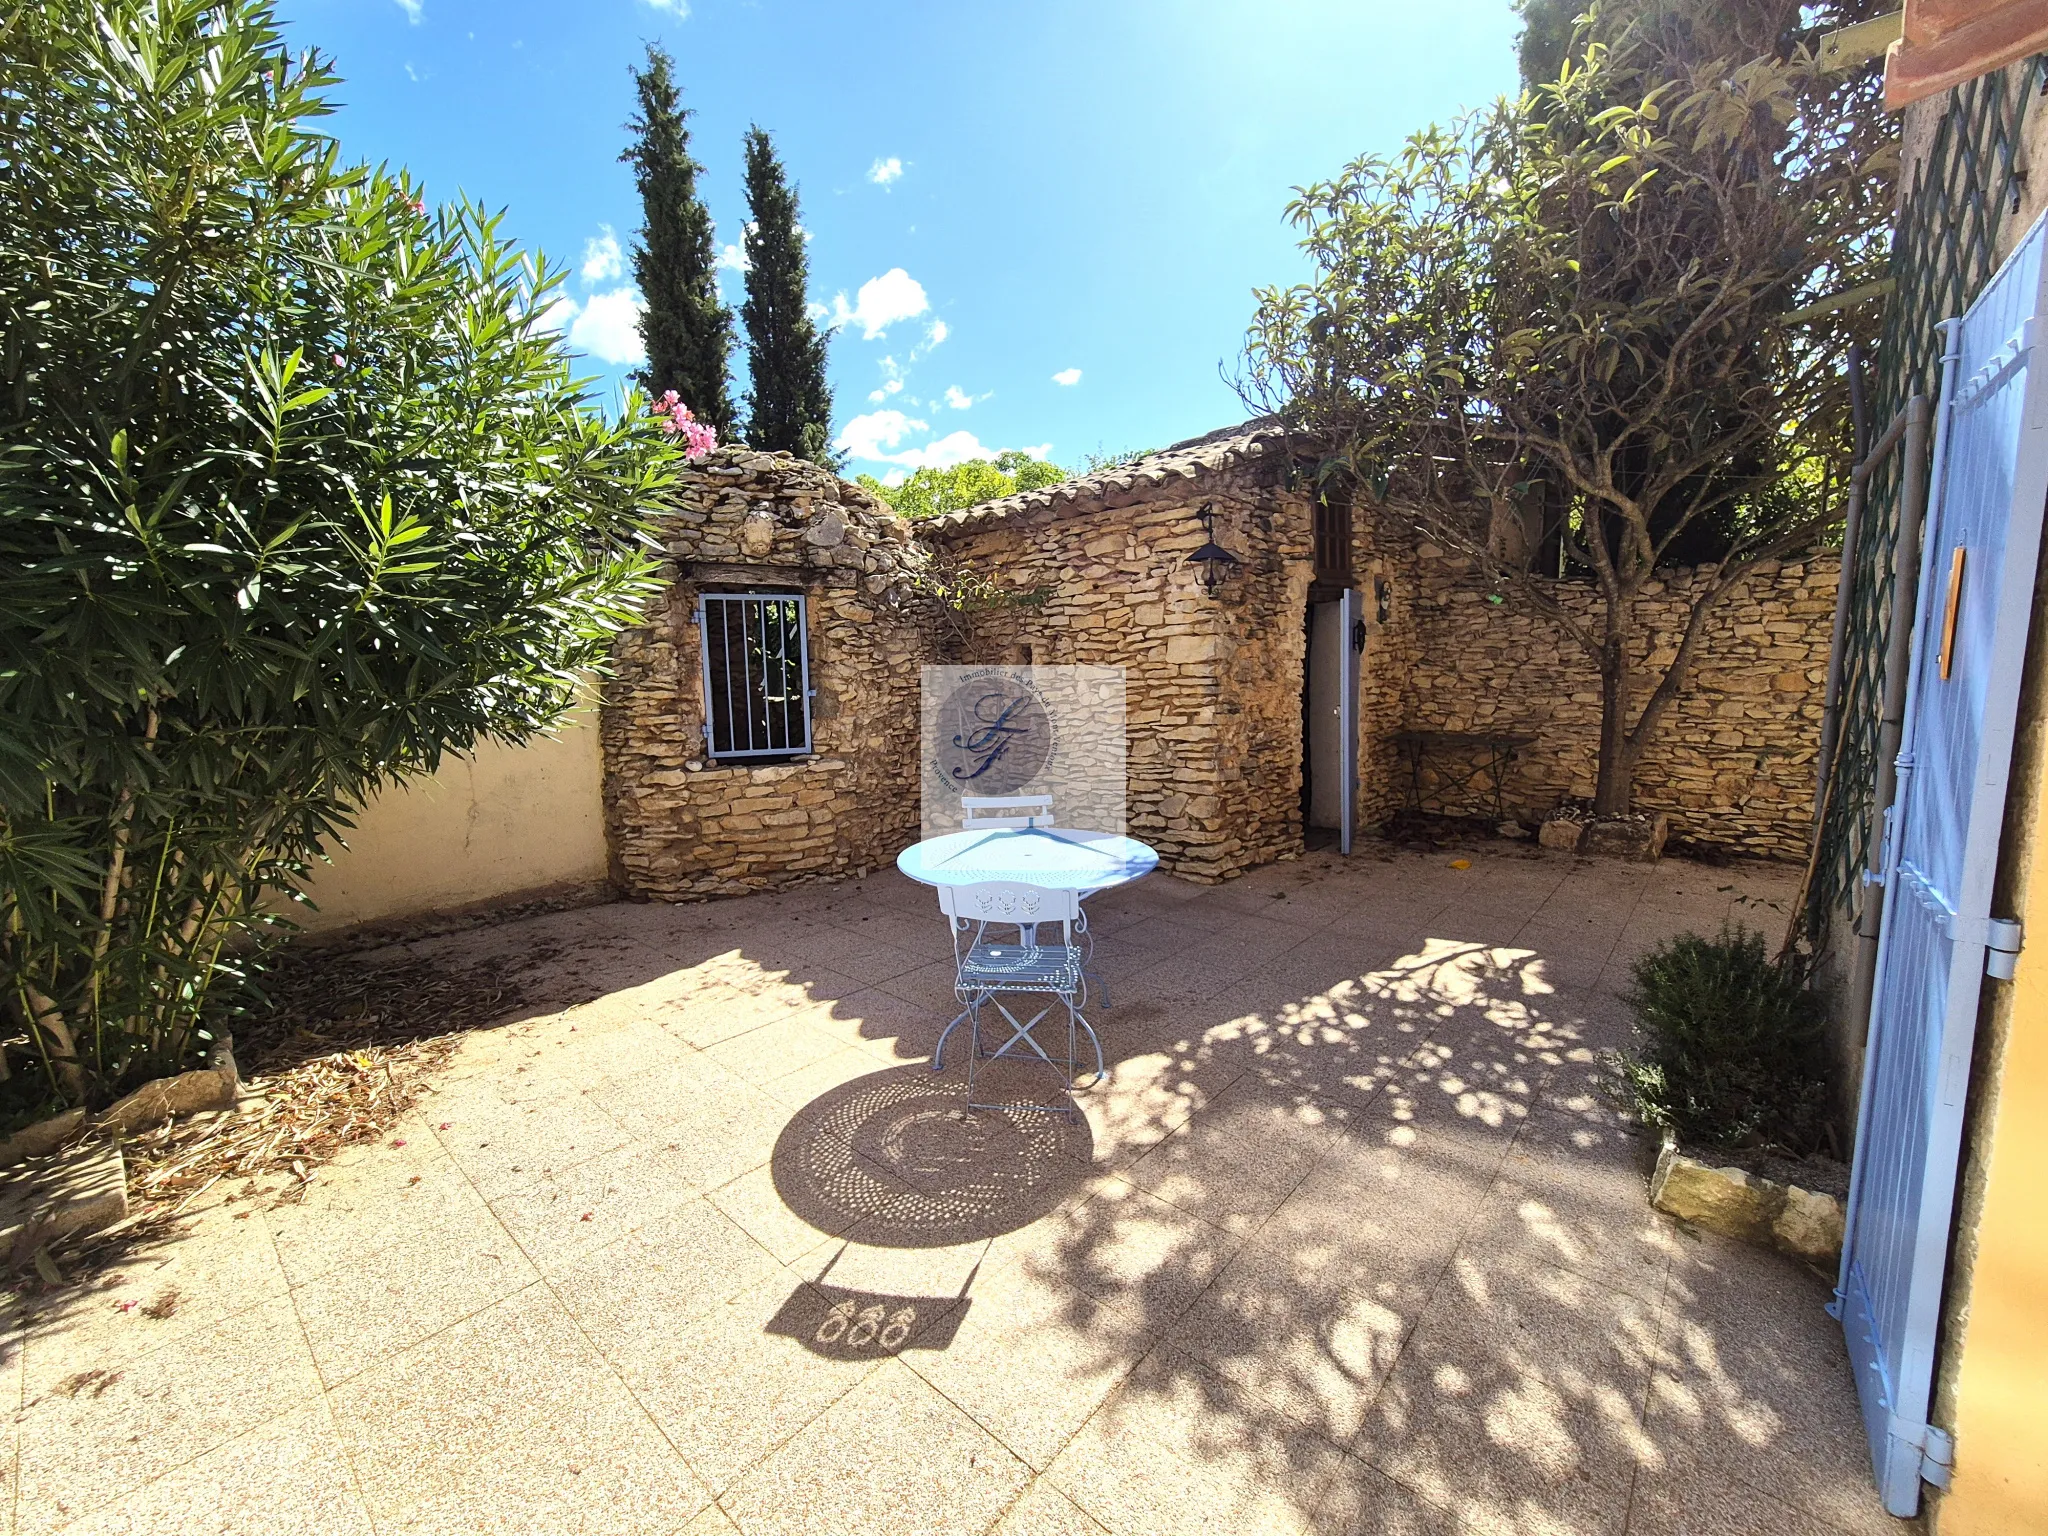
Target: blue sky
1036 225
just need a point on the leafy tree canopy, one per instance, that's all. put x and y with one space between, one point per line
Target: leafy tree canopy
930 492
1593 319
789 408
686 327
298 494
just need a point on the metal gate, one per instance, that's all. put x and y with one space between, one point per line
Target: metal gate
1941 835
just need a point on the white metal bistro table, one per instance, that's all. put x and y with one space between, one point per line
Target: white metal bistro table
1058 858
1051 858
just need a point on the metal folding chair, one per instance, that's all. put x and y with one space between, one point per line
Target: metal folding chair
988 971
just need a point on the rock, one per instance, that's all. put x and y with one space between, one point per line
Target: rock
83 1187
757 534
1810 1227
1797 1222
215 1086
827 530
1561 835
42 1138
1640 838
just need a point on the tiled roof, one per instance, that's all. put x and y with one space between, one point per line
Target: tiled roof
1225 448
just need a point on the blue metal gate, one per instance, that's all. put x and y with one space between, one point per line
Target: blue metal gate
1982 543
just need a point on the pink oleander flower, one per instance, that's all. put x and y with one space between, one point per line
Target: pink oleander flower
340 361
677 419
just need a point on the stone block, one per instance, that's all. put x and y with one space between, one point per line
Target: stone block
1735 1203
81 1188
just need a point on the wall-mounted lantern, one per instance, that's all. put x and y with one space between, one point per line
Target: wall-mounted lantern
1213 561
1383 600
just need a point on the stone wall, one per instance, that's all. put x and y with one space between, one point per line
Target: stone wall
683 827
1733 761
1213 681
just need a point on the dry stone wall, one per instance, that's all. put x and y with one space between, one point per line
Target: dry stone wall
1733 761
682 826
1213 681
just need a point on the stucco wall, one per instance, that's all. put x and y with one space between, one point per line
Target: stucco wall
498 827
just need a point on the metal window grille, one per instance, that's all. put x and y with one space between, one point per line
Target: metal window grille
1945 248
757 675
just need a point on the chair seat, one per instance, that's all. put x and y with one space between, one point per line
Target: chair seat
1021 967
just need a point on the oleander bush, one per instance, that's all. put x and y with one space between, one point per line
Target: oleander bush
298 493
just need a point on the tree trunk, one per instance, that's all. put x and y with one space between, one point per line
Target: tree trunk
1614 792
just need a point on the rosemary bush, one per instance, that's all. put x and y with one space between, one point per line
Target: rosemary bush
1729 1053
297 494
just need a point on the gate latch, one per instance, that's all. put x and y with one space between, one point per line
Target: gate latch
2003 937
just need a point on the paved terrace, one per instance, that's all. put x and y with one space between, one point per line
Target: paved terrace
1348 1243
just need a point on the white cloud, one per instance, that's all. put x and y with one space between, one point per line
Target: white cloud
895 477
936 334
560 311
818 311
680 9
412 9
608 326
876 397
958 398
602 258
734 256
873 435
881 302
1067 376
882 172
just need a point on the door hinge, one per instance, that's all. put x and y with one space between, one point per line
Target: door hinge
2002 940
1937 1457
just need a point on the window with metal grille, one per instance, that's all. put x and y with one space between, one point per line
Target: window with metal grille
757 676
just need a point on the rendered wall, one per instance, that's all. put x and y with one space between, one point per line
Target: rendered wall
501 826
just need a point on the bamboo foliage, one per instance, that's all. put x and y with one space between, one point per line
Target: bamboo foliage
297 494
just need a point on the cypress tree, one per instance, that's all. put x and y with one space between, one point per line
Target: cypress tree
686 330
790 406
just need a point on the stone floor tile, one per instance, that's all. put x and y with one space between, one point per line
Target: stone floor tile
1172 1451
1030 1362
1586 1340
774 1050
801 1089
286 1477
1755 1383
504 1147
732 1384
609 1474
1044 1511
891 1456
348 1212
162 1293
90 1436
566 1214
1314 1356
754 1204
675 1267
1500 1448
1594 1219
1360 1500
358 1314
518 1375
1697 1503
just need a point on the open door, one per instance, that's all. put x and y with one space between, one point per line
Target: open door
1335 633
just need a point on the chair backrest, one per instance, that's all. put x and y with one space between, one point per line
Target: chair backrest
1010 901
995 812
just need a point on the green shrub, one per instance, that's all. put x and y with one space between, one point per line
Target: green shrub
298 492
1729 1052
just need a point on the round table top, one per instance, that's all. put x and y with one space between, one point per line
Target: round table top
1057 858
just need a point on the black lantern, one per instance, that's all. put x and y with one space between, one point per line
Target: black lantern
1212 559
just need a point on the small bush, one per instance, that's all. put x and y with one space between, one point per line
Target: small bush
1729 1053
